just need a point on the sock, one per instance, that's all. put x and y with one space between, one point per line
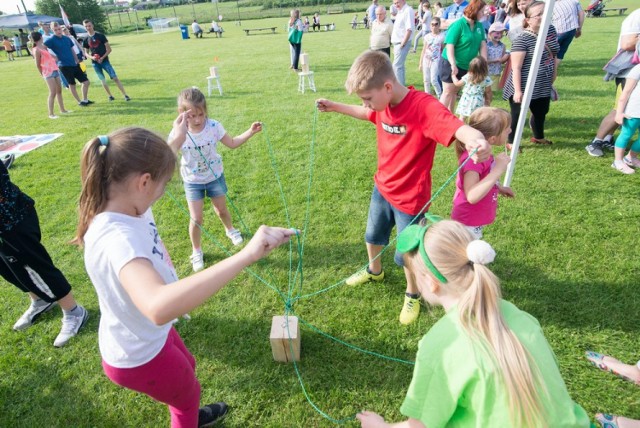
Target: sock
412 295
376 274
596 140
608 138
198 251
75 312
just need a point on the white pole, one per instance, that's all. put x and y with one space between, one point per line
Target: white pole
528 90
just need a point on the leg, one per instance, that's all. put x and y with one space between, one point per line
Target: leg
105 86
399 59
435 81
169 378
58 84
51 84
539 109
411 307
515 115
85 90
297 47
608 125
74 92
220 207
119 85
196 214
426 75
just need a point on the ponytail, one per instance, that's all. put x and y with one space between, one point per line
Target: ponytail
112 159
462 262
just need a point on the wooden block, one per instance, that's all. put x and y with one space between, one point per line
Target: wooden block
283 338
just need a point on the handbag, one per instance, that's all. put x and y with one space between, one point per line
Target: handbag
295 35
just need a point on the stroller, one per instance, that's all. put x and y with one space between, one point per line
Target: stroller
596 8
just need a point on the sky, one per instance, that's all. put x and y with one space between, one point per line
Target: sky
8 7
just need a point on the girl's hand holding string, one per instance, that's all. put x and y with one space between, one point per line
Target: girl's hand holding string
255 128
502 161
180 124
266 239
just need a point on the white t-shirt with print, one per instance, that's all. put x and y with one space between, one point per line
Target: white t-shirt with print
126 337
201 163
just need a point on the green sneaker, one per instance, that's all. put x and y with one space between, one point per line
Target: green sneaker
364 276
410 310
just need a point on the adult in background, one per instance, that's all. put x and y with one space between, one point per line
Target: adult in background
424 24
501 13
568 18
521 62
68 63
316 22
403 28
196 28
629 37
371 11
452 12
98 48
295 37
464 41
381 30
24 40
515 18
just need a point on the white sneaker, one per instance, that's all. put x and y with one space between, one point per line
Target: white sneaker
71 325
632 161
235 236
197 261
32 313
622 167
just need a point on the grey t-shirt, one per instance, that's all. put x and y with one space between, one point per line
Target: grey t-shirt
633 105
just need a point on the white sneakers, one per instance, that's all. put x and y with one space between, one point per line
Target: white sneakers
235 236
70 326
197 261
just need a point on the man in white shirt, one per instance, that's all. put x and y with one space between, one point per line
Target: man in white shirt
568 18
403 27
381 31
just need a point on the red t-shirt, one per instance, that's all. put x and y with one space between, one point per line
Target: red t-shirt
407 136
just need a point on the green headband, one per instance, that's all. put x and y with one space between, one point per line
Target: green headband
412 237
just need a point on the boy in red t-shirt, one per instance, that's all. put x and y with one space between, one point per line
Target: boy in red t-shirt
409 124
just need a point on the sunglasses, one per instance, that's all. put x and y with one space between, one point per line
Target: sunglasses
435 24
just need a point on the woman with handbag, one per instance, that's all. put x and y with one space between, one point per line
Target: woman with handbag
295 38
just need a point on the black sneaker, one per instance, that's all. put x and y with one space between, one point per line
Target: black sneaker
8 160
111 98
83 103
90 102
126 98
595 148
609 145
211 414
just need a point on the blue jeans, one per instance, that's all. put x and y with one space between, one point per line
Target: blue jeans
101 68
399 58
382 217
564 40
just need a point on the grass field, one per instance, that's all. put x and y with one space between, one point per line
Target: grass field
565 243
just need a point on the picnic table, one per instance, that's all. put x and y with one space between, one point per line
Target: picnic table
621 10
355 25
249 30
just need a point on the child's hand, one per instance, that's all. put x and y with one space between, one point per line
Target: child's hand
180 124
266 239
506 191
517 97
502 162
484 149
371 420
619 117
255 128
325 106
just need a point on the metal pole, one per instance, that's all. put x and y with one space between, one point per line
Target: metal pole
120 18
193 8
109 20
528 90
238 6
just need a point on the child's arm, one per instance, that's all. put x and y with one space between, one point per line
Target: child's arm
373 420
457 82
161 302
36 58
179 134
629 86
506 191
357 112
476 189
472 139
239 140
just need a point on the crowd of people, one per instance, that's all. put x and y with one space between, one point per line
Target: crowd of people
484 363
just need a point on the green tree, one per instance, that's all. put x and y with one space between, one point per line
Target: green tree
77 10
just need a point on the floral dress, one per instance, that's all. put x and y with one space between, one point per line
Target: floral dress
472 96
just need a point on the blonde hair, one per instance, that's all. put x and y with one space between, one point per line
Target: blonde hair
490 121
127 151
192 97
370 70
478 69
479 306
294 16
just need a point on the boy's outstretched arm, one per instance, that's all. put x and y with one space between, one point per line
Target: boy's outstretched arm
472 138
359 112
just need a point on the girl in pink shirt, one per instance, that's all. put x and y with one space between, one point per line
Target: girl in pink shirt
46 64
476 199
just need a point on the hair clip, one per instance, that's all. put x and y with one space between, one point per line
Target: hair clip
412 237
104 140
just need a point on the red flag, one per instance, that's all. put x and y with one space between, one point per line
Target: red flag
65 18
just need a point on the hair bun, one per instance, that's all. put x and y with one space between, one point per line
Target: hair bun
481 252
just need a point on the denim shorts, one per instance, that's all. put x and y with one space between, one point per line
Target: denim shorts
105 66
53 75
382 217
197 192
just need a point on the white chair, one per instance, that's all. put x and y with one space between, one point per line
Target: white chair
310 82
213 80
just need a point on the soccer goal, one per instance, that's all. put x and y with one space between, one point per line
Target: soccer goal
162 25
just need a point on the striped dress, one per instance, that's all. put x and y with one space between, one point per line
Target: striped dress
526 42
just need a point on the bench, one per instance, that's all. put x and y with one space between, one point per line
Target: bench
621 10
328 27
249 30
335 9
355 25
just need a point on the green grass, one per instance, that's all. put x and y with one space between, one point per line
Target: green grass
566 244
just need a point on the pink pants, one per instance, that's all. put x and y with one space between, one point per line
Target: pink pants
169 378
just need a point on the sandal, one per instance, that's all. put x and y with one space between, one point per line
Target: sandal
598 362
541 141
606 420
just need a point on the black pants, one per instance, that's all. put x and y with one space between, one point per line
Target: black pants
297 47
25 262
539 109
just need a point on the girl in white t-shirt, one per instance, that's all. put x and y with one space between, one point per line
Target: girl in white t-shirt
196 136
139 293
430 57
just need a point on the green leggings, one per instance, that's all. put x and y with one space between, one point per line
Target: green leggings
629 128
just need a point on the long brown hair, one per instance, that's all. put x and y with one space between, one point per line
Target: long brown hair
475 6
111 159
479 309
